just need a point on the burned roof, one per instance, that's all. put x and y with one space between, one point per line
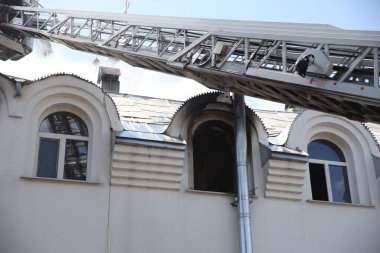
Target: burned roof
276 121
148 117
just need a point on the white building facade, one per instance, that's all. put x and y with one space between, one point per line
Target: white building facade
87 171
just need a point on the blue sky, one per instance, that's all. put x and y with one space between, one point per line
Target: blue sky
346 14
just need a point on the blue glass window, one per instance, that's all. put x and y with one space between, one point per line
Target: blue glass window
325 150
339 184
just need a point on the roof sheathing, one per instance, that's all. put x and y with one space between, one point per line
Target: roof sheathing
141 109
275 122
145 119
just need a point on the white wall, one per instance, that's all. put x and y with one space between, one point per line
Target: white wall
283 226
148 220
38 216
144 220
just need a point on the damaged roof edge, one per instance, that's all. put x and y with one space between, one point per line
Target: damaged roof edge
288 154
150 143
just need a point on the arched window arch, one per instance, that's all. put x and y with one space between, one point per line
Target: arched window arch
63 147
328 172
214 157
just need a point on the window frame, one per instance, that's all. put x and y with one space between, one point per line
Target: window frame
62 138
192 114
227 117
351 137
194 123
326 167
193 134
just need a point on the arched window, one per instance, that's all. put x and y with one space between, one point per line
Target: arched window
328 172
214 157
63 147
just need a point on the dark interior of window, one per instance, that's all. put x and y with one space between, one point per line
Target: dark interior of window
318 182
214 157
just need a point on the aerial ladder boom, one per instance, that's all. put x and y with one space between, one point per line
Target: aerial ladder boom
319 67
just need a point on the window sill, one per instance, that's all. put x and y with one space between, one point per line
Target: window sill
216 193
209 192
46 179
339 204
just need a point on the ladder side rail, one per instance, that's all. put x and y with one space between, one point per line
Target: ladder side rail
238 28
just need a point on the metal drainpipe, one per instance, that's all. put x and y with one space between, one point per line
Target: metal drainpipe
241 160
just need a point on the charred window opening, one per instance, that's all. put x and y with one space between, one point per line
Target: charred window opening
214 157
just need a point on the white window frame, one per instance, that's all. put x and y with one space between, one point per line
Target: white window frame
62 138
62 149
326 164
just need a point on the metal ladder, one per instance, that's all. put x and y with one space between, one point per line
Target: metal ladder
319 67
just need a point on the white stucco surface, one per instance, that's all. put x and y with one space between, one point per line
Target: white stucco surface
128 204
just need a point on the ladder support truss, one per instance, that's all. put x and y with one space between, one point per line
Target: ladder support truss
258 58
